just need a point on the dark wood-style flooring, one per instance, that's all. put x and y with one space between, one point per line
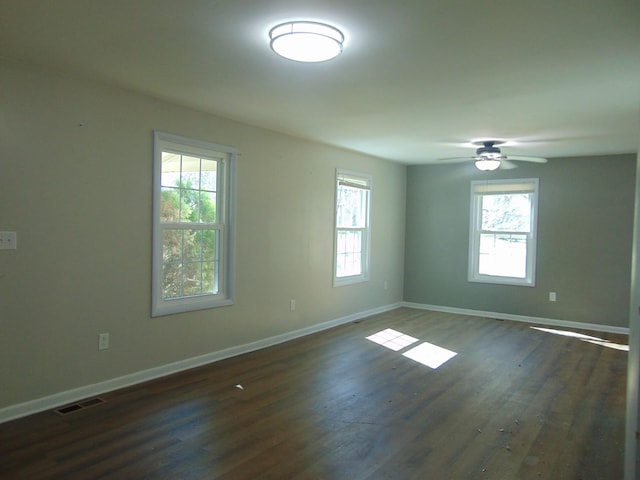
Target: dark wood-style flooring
514 403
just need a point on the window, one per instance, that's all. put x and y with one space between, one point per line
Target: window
192 225
351 262
502 244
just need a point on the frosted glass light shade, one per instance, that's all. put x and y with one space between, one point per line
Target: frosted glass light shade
306 41
487 164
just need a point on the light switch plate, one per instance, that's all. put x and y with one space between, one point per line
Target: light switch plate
8 240
103 341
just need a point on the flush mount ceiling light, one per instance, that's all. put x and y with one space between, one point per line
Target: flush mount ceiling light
306 41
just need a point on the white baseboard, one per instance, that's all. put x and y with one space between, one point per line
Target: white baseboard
63 398
70 396
521 318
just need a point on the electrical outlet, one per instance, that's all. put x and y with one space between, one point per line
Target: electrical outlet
8 240
103 341
292 305
552 296
385 285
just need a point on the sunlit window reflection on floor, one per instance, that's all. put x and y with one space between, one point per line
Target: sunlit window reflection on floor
430 355
392 339
585 338
426 353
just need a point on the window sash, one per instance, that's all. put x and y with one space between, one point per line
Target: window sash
205 260
350 256
488 209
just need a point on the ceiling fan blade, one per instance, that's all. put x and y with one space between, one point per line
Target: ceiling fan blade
507 165
524 158
455 160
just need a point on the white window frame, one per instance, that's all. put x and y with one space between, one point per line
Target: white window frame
224 225
484 187
358 180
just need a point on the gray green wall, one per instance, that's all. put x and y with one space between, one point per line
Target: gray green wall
75 183
585 227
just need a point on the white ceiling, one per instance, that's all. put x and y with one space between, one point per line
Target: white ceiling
416 81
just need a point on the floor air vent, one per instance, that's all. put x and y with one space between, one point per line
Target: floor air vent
66 410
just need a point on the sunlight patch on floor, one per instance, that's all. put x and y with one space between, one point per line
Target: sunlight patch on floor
608 344
392 339
585 338
430 355
426 353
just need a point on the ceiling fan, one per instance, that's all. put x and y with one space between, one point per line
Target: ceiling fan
489 157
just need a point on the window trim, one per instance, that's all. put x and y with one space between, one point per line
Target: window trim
475 231
366 237
226 183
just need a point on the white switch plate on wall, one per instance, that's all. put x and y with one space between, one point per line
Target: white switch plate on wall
8 240
103 341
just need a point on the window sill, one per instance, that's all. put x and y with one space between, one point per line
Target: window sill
341 282
518 282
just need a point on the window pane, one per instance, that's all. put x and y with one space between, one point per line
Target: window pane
209 175
192 279
349 253
189 262
209 277
507 212
192 245
171 164
210 245
207 207
171 280
170 205
188 205
352 207
189 175
352 264
171 246
503 255
190 172
198 278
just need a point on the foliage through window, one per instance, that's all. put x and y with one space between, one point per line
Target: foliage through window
192 224
502 244
351 262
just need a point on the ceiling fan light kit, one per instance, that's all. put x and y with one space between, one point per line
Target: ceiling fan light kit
304 41
488 156
487 164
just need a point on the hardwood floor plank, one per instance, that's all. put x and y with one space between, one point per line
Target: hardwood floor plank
513 403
